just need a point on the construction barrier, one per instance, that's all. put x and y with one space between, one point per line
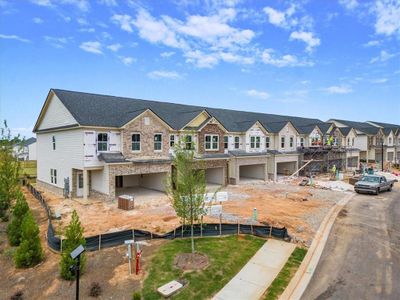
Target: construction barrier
112 239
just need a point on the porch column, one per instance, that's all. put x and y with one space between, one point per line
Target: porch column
85 184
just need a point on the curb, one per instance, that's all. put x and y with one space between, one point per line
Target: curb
301 279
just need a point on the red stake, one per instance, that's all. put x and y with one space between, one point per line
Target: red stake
138 255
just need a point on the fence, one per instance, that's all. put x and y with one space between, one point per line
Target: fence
106 240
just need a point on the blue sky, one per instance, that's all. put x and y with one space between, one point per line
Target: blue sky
321 59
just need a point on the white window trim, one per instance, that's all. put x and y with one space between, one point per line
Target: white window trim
140 142
255 142
53 176
53 142
97 142
211 142
161 142
284 142
234 142
291 142
169 142
269 142
227 141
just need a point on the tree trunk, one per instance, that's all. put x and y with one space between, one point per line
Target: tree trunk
191 225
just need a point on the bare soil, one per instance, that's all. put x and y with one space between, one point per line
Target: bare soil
191 261
108 267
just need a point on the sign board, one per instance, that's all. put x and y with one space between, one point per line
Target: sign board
209 197
222 196
213 210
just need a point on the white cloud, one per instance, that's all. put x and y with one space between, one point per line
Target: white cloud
200 59
114 47
372 43
306 37
82 22
125 21
349 4
91 29
83 5
281 18
57 42
382 57
164 74
379 80
258 94
92 47
286 60
387 17
42 2
167 54
37 20
126 60
338 89
109 2
14 37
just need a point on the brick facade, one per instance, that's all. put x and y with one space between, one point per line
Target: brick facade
147 131
211 129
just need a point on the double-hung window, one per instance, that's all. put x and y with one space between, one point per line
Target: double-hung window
136 142
172 140
237 142
255 142
53 139
226 139
301 142
53 176
282 142
102 142
158 142
291 140
189 142
267 142
211 142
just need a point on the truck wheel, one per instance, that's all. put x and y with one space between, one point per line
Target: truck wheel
390 188
377 191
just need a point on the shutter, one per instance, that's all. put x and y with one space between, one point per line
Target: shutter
115 141
89 140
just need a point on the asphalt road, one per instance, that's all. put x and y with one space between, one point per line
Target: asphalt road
361 259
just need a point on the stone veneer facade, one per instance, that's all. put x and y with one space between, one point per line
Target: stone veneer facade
146 131
211 129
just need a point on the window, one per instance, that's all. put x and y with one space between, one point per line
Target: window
255 142
348 141
102 142
237 142
172 140
291 142
282 142
211 142
352 141
267 142
301 142
390 140
53 176
157 142
136 142
189 142
226 142
54 142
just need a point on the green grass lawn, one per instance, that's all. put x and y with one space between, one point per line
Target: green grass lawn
285 275
227 255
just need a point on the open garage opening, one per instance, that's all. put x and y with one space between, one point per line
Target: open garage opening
215 178
286 168
252 173
142 186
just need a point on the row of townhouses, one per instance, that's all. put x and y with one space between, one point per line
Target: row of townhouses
97 145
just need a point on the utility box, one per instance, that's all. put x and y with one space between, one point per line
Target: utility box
126 202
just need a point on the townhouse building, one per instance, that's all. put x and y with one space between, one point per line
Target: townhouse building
99 145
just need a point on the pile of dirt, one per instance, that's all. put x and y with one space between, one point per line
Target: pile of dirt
191 261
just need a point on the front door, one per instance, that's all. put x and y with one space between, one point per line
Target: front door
79 184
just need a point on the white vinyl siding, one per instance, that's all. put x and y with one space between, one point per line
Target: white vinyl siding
69 155
57 115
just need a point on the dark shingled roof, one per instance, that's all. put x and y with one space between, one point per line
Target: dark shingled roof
112 157
241 153
345 130
29 141
361 126
387 127
110 111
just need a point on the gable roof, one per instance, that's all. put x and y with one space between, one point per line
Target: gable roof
387 127
111 111
361 126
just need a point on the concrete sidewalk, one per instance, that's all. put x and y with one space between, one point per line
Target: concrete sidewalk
256 276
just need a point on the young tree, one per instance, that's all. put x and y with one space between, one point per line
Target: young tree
29 252
9 170
73 238
187 185
19 211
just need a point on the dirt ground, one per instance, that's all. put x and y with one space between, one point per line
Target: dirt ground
300 209
108 267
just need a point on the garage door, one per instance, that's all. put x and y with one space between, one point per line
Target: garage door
252 171
154 181
215 175
286 168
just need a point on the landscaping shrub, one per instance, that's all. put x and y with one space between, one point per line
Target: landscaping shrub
137 296
73 238
95 290
29 252
19 211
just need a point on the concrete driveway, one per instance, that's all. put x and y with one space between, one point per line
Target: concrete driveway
361 259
